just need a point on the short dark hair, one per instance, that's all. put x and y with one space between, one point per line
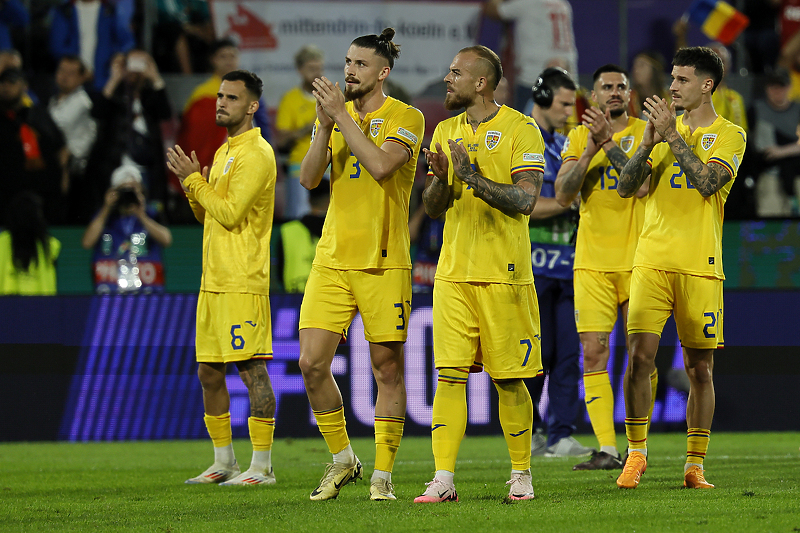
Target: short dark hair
609 67
251 82
74 59
381 44
704 60
496 72
219 44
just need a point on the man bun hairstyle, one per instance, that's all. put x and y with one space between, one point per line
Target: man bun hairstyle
381 44
704 60
251 82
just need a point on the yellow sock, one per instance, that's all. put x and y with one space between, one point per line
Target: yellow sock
332 426
600 406
636 430
653 390
261 432
449 417
388 432
516 419
219 429
697 440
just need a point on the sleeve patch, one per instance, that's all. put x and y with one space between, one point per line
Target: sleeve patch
532 158
402 132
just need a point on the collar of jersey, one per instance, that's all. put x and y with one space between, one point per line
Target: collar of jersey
369 115
500 112
681 127
244 137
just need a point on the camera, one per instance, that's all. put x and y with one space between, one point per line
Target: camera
127 196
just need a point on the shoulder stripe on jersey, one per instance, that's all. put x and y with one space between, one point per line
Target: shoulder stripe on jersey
723 163
569 158
525 168
399 140
404 145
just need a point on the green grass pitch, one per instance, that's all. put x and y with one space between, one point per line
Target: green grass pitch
139 486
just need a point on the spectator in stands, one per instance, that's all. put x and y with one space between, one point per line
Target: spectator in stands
91 30
761 40
12 15
198 131
71 109
728 103
34 152
28 252
183 36
773 145
293 124
13 59
129 112
299 240
647 79
127 238
542 31
426 235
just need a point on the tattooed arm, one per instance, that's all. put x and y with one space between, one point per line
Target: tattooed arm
635 172
518 197
706 178
436 195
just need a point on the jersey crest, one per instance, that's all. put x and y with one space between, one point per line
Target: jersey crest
708 140
492 138
375 126
626 143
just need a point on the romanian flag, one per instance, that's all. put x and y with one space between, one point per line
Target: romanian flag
718 20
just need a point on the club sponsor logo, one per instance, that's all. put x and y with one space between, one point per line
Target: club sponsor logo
532 158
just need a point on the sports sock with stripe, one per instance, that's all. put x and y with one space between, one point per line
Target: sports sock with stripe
636 431
599 401
261 436
449 416
388 432
331 424
516 419
219 429
697 440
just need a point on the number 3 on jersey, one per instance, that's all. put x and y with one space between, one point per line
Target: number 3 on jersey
356 169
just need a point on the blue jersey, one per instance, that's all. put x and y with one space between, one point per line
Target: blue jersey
552 250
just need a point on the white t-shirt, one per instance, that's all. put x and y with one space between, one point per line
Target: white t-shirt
543 31
88 13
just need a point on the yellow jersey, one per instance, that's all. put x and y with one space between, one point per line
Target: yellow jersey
296 109
367 222
609 225
682 230
236 207
482 244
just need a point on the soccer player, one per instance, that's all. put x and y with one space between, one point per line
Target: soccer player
594 156
486 168
677 269
362 261
234 202
552 228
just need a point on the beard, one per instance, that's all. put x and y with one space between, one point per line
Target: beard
354 92
617 112
454 101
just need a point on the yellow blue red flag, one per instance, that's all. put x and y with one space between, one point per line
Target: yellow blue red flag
719 20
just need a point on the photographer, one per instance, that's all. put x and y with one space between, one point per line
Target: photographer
127 240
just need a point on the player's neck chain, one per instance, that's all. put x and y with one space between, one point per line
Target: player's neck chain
475 124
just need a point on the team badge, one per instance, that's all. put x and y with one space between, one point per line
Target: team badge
228 166
375 126
626 143
492 138
708 140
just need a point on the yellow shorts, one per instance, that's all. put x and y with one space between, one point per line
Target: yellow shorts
233 327
695 301
598 295
492 323
382 296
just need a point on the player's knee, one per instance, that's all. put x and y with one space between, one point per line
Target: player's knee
312 368
389 374
699 372
210 378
